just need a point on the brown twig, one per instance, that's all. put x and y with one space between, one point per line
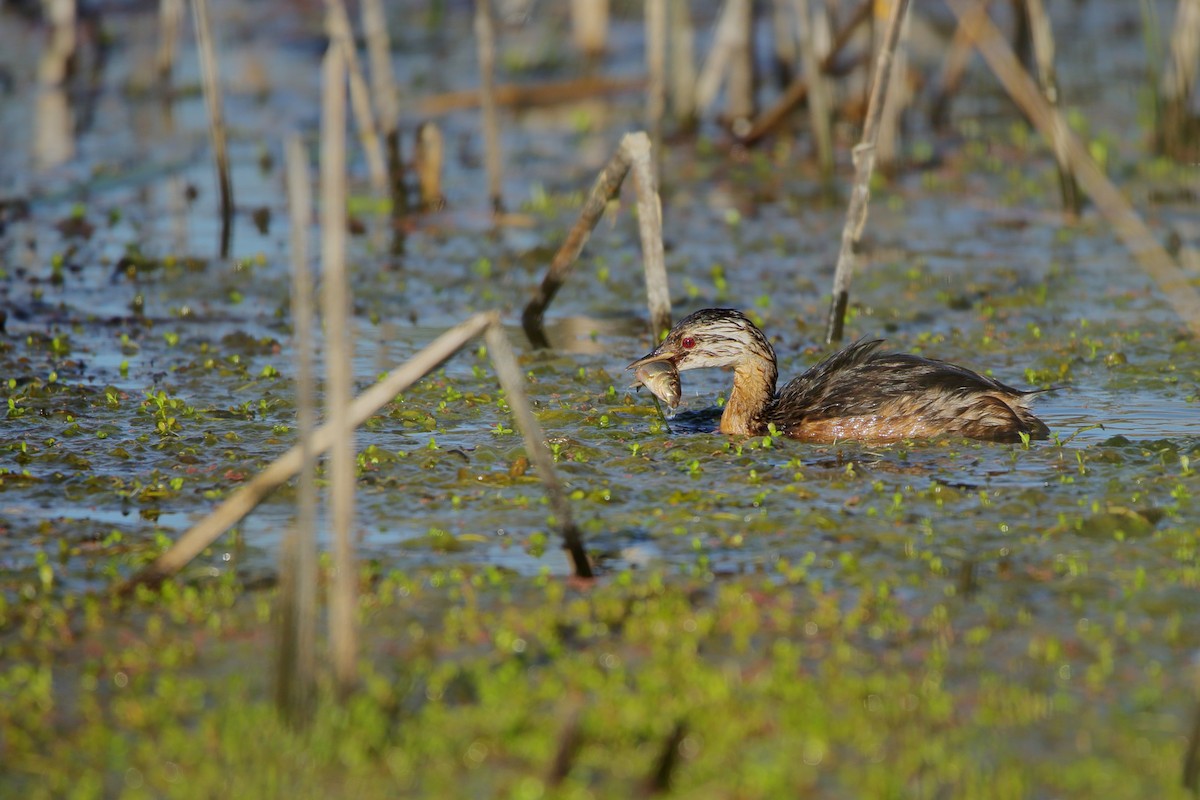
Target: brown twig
1178 127
819 114
211 83
1127 225
511 379
511 95
170 22
864 165
296 666
683 66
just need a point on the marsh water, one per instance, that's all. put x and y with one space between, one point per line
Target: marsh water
147 378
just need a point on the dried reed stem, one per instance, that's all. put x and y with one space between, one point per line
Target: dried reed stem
55 63
1128 226
387 103
296 666
1043 52
1178 128
428 158
658 294
282 469
211 82
819 116
485 39
634 149
864 165
339 377
512 380
589 26
898 96
683 65
656 73
342 34
170 22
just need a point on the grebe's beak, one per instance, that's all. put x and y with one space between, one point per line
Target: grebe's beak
658 355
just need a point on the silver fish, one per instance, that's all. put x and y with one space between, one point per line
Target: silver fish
661 378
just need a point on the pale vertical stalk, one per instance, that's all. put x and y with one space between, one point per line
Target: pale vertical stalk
55 62
298 563
1141 242
170 23
342 35
683 63
387 103
895 102
819 116
485 40
724 44
589 26
339 354
211 83
512 380
864 166
1043 53
658 295
656 74
428 156
740 88
247 496
1179 83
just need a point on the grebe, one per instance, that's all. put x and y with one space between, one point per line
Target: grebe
856 393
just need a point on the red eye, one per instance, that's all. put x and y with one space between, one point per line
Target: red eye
688 342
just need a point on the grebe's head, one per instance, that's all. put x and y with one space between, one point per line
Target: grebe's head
711 337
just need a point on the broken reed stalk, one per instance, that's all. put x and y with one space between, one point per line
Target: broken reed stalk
606 188
296 664
339 355
683 64
512 381
428 157
656 74
864 166
281 470
650 228
211 83
798 89
387 104
170 22
55 63
589 26
1112 205
819 115
1043 53
485 40
342 35
1177 127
